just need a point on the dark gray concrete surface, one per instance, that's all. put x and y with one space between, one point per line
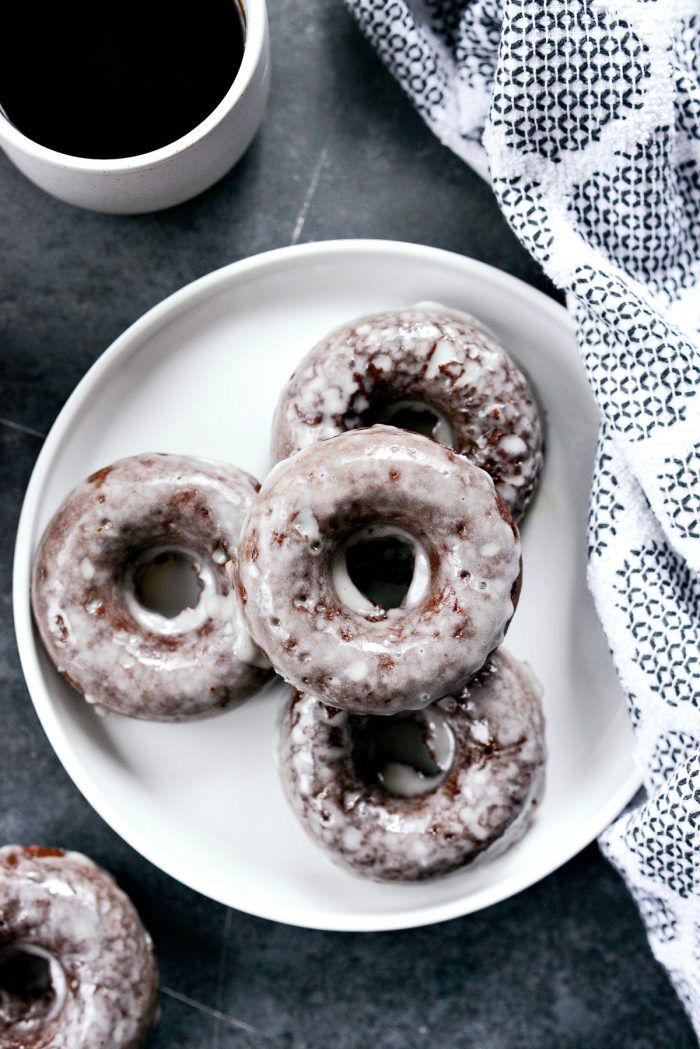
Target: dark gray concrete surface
341 154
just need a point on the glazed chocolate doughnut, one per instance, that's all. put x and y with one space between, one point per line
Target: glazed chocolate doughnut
96 583
425 368
424 793
371 489
77 969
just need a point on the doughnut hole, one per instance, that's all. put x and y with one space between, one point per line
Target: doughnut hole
405 755
167 589
381 566
167 582
381 569
32 985
414 415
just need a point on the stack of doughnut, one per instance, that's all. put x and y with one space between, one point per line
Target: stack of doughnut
376 570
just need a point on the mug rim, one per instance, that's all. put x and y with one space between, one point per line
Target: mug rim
254 16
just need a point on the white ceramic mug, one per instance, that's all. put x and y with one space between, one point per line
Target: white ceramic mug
173 173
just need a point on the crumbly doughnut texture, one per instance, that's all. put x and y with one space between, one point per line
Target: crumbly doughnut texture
120 657
378 661
104 978
483 805
429 354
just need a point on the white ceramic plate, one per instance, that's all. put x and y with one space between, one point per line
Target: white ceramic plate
200 374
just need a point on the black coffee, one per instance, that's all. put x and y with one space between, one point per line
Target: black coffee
115 78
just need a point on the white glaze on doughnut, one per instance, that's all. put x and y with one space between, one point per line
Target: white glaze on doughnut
368 659
426 354
62 907
481 806
120 655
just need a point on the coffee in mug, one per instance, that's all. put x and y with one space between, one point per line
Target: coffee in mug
116 80
132 106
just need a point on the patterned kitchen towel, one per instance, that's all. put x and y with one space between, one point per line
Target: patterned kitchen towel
585 115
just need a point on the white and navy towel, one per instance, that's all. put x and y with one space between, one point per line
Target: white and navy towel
585 116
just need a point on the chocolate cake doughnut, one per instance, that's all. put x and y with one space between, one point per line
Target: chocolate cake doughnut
100 589
378 491
424 793
425 368
77 969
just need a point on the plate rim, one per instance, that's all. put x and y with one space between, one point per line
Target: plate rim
131 339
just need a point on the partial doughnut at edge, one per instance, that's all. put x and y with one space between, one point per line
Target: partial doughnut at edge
103 976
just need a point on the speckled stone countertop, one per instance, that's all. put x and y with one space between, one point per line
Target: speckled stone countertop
341 154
